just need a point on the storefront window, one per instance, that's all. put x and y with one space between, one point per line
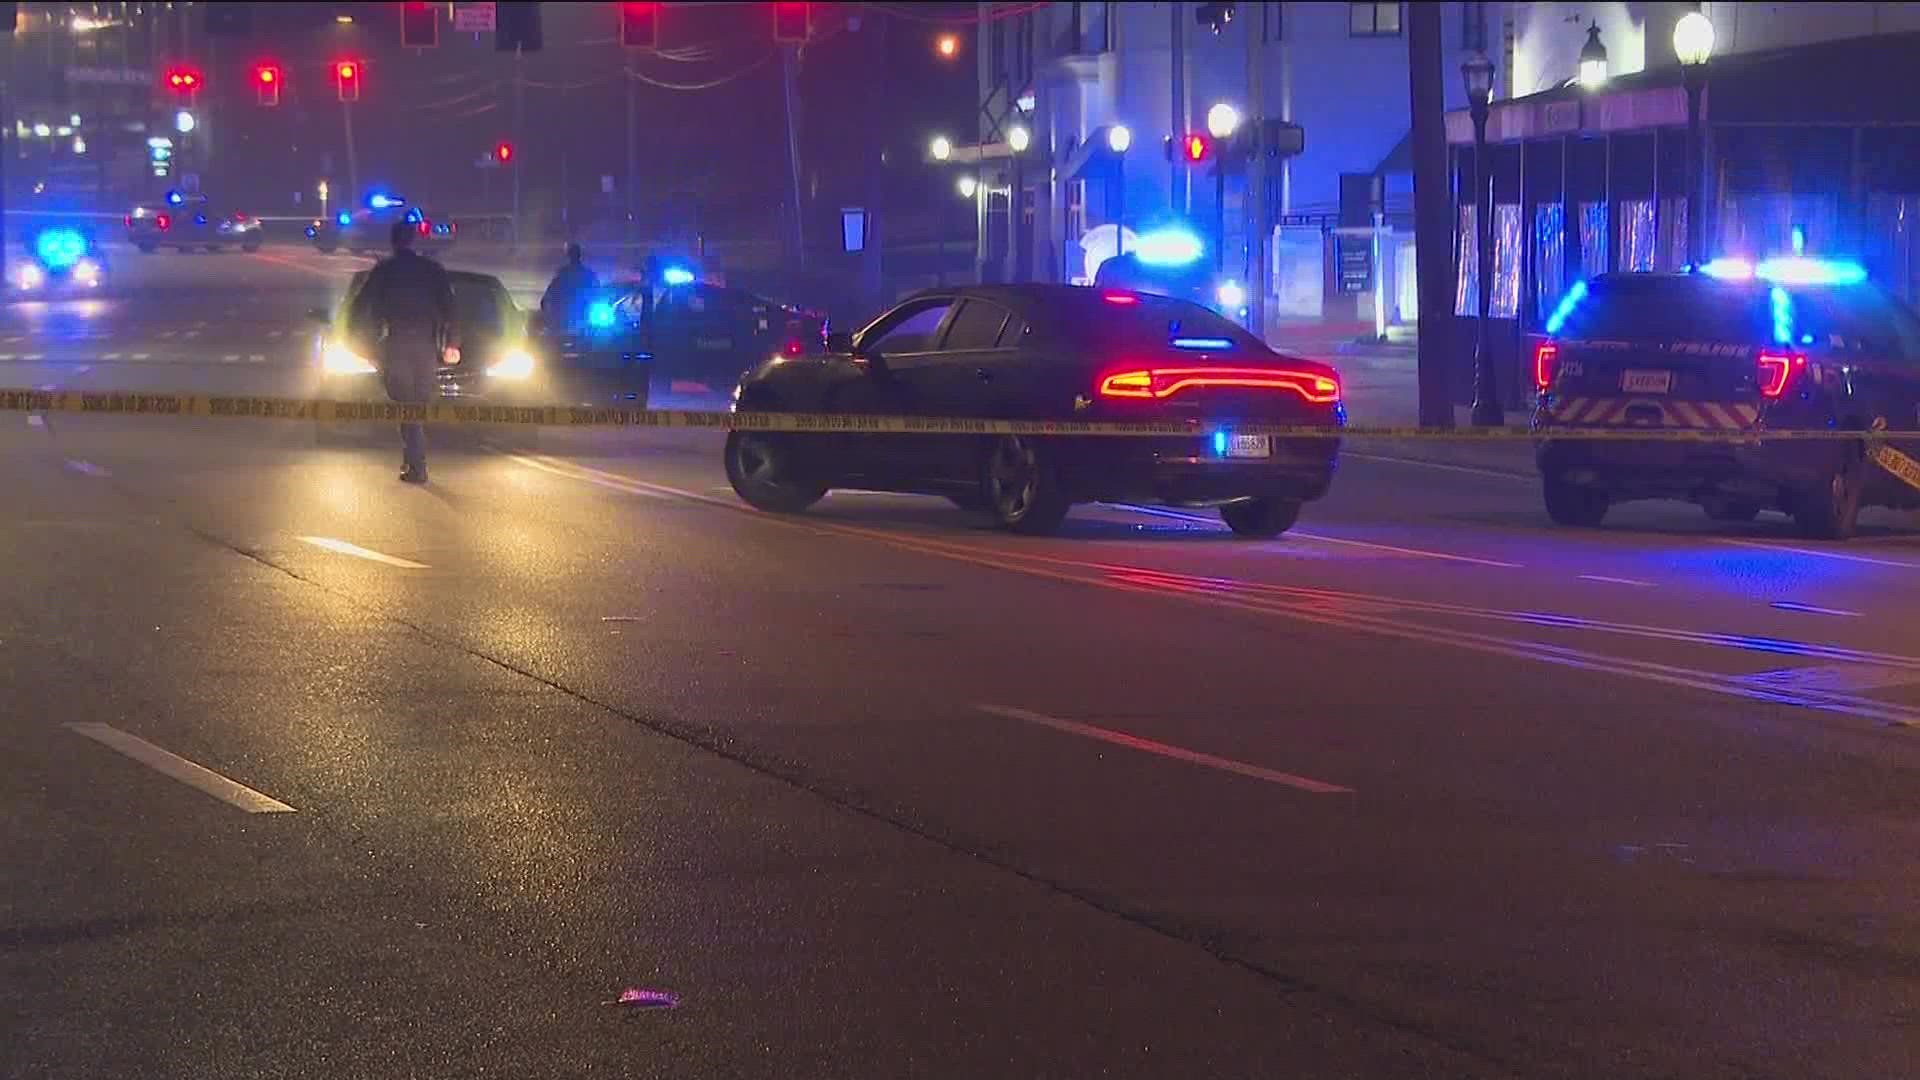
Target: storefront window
1509 239
1466 276
1593 239
1637 239
1549 271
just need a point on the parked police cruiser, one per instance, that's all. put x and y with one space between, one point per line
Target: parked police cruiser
1789 343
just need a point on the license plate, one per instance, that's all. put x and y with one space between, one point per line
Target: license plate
1249 446
1646 382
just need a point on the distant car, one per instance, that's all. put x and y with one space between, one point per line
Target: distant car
498 361
1191 278
1736 348
369 229
185 222
61 259
700 337
1048 352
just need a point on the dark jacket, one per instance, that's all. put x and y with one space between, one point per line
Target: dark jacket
407 309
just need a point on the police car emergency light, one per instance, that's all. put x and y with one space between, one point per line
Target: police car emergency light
1787 270
677 275
381 200
1168 247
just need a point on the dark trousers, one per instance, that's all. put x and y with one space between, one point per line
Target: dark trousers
411 384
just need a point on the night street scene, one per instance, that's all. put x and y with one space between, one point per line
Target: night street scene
960 540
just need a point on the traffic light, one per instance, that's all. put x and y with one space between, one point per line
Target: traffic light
346 76
266 85
503 152
640 25
184 81
1192 148
790 21
419 25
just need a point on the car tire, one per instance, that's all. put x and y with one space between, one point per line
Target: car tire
1021 486
762 470
1732 511
1832 511
1261 519
1573 505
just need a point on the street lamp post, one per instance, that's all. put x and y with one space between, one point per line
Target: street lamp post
1693 44
1477 71
1222 120
1018 139
1119 138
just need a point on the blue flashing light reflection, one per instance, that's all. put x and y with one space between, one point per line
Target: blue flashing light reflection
1565 308
1219 444
174 198
1203 343
1167 247
677 275
344 218
1729 269
380 200
600 315
1782 315
59 248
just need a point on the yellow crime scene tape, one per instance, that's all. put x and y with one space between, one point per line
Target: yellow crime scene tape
441 413
318 411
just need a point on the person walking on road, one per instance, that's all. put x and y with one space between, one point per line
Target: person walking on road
564 302
408 310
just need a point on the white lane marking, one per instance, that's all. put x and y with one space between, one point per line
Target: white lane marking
173 765
87 468
230 358
1811 609
1605 580
109 357
191 334
48 386
141 356
1447 466
6 357
34 357
36 420
1824 554
271 334
256 358
1167 750
341 547
1420 552
166 333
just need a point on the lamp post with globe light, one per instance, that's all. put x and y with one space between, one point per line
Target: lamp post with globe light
1593 60
1018 139
1693 44
1222 121
1477 72
1119 139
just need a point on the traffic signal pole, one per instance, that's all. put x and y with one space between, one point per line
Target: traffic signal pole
633 154
519 114
353 160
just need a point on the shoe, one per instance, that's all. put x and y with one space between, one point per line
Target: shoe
411 477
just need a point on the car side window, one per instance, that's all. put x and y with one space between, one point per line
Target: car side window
1013 334
977 326
914 332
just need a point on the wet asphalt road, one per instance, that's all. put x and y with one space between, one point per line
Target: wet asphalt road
1425 788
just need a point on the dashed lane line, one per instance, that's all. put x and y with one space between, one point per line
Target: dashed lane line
172 765
341 547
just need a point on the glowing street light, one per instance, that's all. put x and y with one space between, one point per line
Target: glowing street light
1593 59
1019 138
1693 44
1119 138
941 148
968 185
1223 120
947 45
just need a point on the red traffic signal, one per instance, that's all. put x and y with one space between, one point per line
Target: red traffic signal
790 21
183 81
266 84
419 25
503 152
346 76
640 25
1195 148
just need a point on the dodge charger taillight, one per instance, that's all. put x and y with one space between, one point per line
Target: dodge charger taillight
1161 383
1544 356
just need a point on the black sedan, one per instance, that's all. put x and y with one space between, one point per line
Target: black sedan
1047 352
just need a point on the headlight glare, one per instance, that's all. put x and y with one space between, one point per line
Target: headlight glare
516 364
337 359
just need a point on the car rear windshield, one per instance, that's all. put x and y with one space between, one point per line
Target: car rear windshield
1667 308
1148 321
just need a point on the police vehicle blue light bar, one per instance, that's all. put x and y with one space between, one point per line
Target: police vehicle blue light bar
677 275
1167 247
1564 309
1788 270
380 200
59 248
344 218
600 315
174 198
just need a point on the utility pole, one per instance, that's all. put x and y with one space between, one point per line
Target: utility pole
519 142
633 154
1431 226
353 162
1258 230
1177 189
788 61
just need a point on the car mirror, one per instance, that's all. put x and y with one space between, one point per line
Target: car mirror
840 342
